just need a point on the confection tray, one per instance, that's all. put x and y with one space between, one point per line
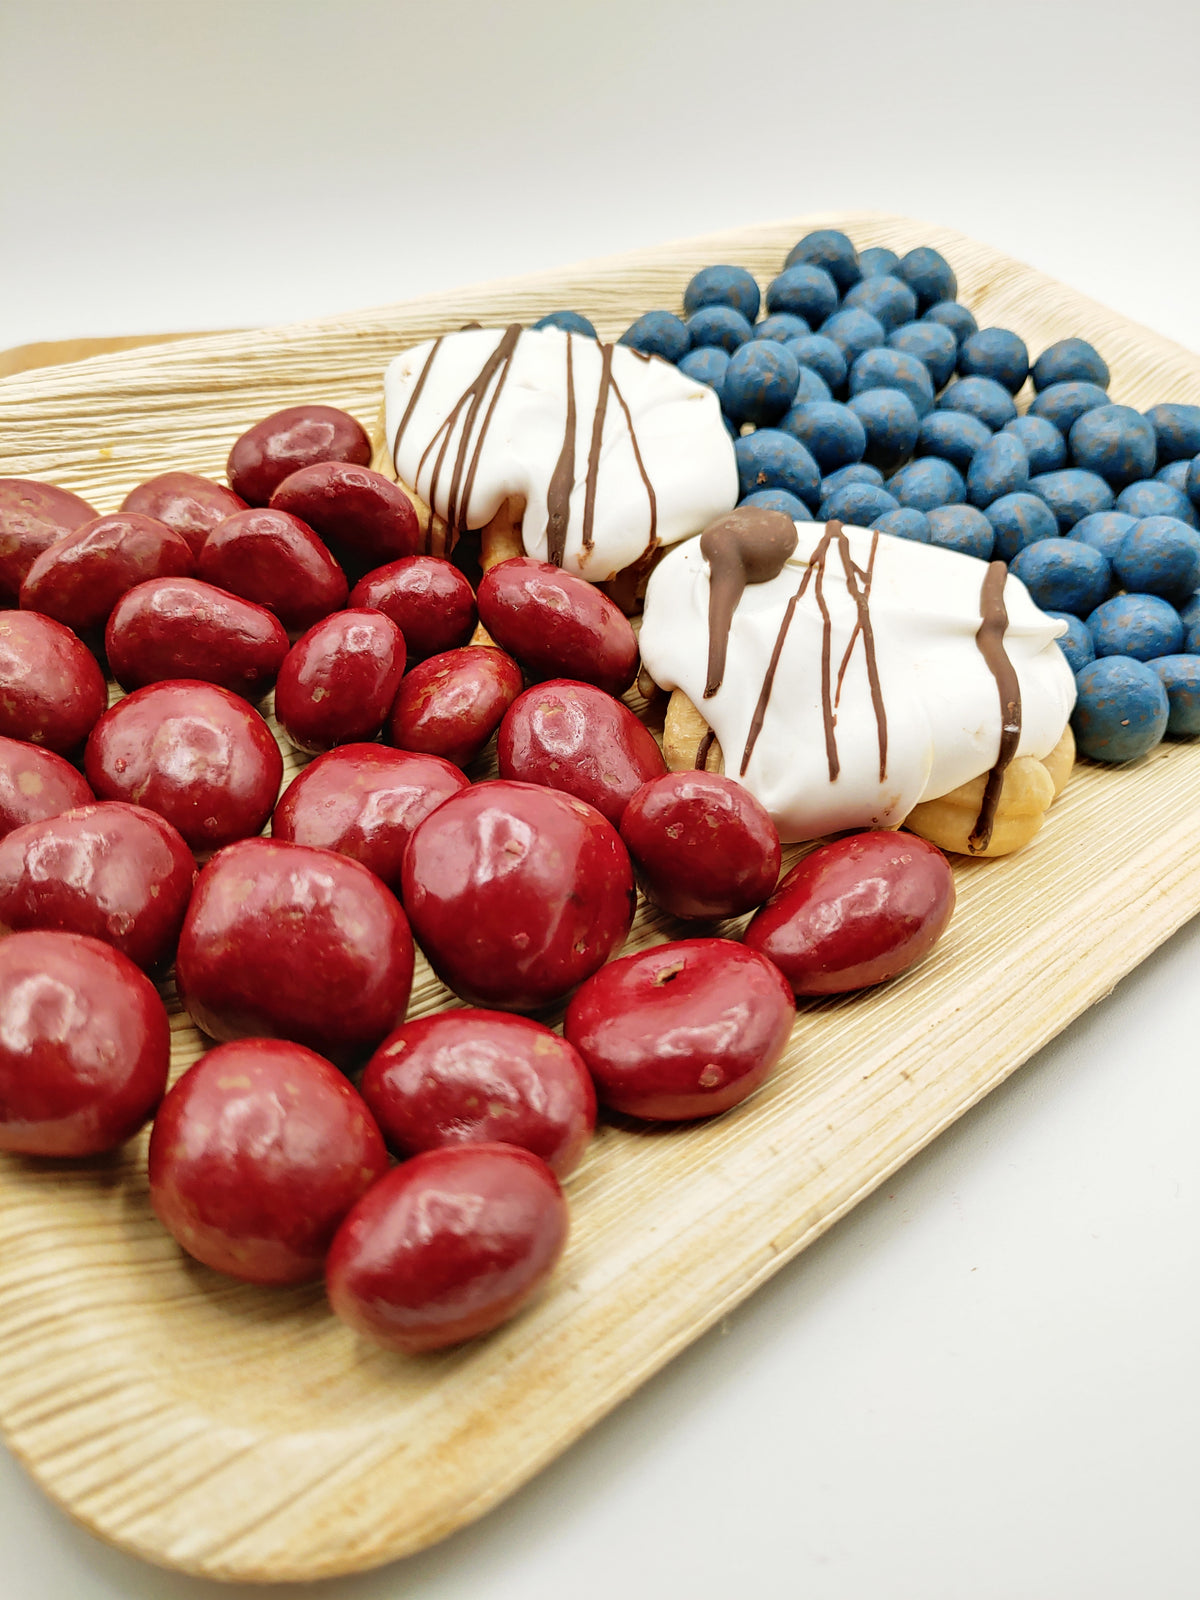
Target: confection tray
240 1433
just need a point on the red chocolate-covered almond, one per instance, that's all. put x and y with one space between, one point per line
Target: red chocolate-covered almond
557 625
36 784
450 705
52 691
288 440
185 628
189 505
338 682
353 509
428 599
33 516
80 579
276 561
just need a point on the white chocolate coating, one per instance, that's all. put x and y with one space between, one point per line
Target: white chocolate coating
685 449
941 702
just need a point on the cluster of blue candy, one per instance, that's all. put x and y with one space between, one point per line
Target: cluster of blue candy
866 392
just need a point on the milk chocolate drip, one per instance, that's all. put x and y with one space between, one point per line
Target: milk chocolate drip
562 479
990 639
749 545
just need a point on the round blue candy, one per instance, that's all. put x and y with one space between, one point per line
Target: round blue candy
1104 531
1121 709
1114 441
995 353
1044 445
860 472
821 355
980 397
931 343
1189 613
1175 473
779 500
1138 625
771 459
929 275
1192 484
569 322
892 426
720 325
1180 677
961 528
831 249
1063 575
904 524
1072 494
1000 468
953 435
659 333
894 369
722 286
759 383
1076 644
1069 361
1159 555
832 434
1150 497
1064 403
953 316
810 386
860 504
784 325
1020 519
804 290
1176 431
707 365
926 483
878 261
889 300
853 332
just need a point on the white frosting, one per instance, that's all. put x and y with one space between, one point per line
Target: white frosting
941 702
685 449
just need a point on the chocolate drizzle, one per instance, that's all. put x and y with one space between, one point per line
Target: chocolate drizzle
749 545
990 639
562 479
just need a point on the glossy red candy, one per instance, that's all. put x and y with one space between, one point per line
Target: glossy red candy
447 1246
277 562
36 784
517 893
84 1048
450 705
681 1030
702 845
294 943
354 509
191 506
577 738
196 754
364 800
482 1077
428 599
185 628
287 440
33 516
257 1154
338 682
557 625
117 873
80 579
856 912
52 692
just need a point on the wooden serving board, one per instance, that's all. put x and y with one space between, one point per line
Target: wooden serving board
245 1434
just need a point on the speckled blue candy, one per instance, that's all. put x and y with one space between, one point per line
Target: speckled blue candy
905 524
719 325
860 504
1069 361
722 286
771 459
1150 497
831 249
1192 484
1175 473
953 435
659 333
1000 468
1064 403
980 397
1114 441
860 472
961 528
878 261
1159 555
1138 625
892 426
929 275
1063 575
922 485
1044 445
853 332
823 356
1121 709
1176 430
706 365
805 290
784 325
1189 614
932 344
759 383
995 353
779 500
809 387
1076 644
569 322
894 369
832 433
1180 677
889 300
1019 520
951 315
1104 531
1072 494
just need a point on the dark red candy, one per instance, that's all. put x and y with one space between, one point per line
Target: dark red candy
517 893
681 1030
196 754
118 873
577 738
84 1049
428 599
856 912
447 1246
191 506
294 943
185 628
36 784
702 845
51 690
557 625
257 1154
450 705
353 509
482 1077
33 516
338 682
277 562
288 440
80 579
364 800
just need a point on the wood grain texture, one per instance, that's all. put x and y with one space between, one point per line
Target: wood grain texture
244 1434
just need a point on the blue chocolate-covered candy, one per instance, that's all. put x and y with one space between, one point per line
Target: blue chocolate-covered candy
894 369
1121 709
722 286
832 433
1001 467
961 528
1044 445
1175 473
1076 644
1159 555
1104 531
1114 441
1064 403
1192 483
932 344
906 523
1063 575
858 503
1176 430
707 365
853 331
1151 497
950 314
782 326
929 275
822 356
772 459
1138 625
779 500
759 383
805 290
889 300
569 322
721 325
979 397
1189 613
659 333
1069 361
859 472
878 261
1072 494
995 353
1020 519
926 483
831 249
953 435
892 426
1180 677
810 386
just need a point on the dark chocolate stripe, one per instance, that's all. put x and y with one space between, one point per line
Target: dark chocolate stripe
412 403
652 542
990 639
562 479
593 465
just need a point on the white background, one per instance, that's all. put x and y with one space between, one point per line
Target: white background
982 1385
